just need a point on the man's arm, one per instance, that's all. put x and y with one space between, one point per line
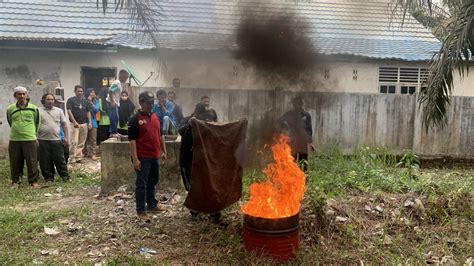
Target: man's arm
132 136
37 120
9 119
169 108
215 115
133 153
66 133
71 117
69 112
89 120
164 153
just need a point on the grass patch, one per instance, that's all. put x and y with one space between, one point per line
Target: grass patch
24 212
373 170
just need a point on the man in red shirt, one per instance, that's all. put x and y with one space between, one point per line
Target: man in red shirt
147 146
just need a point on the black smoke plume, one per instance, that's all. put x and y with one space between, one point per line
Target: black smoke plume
275 43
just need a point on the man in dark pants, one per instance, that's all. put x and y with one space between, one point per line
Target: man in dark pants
298 123
147 145
51 148
23 118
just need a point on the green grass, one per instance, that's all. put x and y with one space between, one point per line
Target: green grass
370 173
372 170
24 212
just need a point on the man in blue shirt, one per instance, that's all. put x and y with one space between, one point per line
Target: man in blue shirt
164 110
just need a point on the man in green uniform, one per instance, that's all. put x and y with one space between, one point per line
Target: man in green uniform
23 118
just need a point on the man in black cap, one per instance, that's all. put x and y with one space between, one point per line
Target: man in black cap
147 146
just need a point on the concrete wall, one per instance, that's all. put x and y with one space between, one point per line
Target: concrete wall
349 120
196 69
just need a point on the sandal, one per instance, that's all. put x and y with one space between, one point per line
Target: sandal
35 186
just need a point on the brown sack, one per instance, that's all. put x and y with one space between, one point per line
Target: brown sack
216 175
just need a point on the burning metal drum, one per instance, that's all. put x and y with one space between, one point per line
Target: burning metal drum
275 237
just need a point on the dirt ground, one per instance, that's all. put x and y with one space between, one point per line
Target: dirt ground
356 228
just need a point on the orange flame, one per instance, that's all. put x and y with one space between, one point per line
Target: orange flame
281 195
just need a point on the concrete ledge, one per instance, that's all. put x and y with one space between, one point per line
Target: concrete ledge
117 169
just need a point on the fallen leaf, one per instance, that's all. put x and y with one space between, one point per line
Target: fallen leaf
48 195
379 209
51 231
330 212
44 252
341 219
387 240
408 203
367 208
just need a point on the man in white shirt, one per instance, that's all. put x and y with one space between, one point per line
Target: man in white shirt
51 147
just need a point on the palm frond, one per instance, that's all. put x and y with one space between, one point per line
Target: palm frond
145 15
453 55
456 50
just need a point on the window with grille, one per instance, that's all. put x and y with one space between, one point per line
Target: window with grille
402 80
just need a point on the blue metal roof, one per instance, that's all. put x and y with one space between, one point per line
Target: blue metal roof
338 27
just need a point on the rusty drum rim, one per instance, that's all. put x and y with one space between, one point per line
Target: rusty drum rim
271 226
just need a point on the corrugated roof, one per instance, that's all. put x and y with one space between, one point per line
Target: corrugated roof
338 27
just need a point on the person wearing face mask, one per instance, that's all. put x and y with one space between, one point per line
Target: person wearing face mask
51 148
126 110
24 120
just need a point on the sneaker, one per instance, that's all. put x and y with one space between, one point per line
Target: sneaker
144 217
48 182
156 209
35 186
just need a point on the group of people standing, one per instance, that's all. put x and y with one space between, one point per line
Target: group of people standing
93 115
45 133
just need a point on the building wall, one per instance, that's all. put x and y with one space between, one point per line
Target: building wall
196 69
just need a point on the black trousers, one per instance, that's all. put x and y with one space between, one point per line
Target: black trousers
20 151
66 152
122 131
103 133
51 154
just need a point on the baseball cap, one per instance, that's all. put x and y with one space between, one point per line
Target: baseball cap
146 97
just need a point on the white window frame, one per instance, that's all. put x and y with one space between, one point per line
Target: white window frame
398 85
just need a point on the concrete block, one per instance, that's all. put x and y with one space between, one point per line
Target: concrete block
117 169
